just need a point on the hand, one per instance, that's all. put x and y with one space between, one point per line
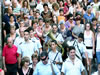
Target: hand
5 69
93 52
88 63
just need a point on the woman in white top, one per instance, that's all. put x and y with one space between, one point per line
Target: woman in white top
98 44
89 41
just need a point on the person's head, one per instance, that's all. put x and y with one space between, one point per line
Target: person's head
78 20
9 42
25 62
55 6
21 31
45 6
11 18
72 52
80 37
88 26
21 23
37 15
78 14
44 57
54 18
31 31
61 3
34 24
10 10
25 3
14 3
94 21
61 11
53 45
70 17
26 35
89 9
12 29
40 21
62 24
35 58
54 28
47 23
25 16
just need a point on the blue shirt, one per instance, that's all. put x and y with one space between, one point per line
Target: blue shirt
42 69
88 18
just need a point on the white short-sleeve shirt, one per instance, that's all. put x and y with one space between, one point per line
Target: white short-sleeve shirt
69 68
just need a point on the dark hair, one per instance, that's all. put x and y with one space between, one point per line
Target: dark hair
54 41
45 4
30 29
70 15
44 53
91 27
26 30
71 48
94 19
55 25
34 56
11 15
34 21
81 35
61 10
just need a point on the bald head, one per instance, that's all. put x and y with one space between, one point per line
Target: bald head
9 42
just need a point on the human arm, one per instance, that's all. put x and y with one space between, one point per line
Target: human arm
93 38
4 65
19 61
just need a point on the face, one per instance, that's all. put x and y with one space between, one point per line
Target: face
40 22
25 3
78 22
12 30
21 24
72 54
21 31
35 60
47 24
71 19
94 22
34 25
31 33
55 29
61 3
87 26
44 60
26 64
26 36
11 18
45 8
80 40
37 15
10 42
10 10
53 46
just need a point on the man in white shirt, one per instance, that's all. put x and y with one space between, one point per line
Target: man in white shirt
72 65
54 55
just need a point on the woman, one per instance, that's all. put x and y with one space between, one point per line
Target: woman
89 41
10 23
98 44
27 22
11 34
55 8
54 20
35 60
78 28
25 6
25 69
61 4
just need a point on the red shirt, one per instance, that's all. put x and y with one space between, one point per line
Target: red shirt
10 54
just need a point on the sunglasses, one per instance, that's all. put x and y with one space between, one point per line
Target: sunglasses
44 59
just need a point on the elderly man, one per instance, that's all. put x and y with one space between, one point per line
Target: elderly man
10 58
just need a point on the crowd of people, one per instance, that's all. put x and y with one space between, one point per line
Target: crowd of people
50 37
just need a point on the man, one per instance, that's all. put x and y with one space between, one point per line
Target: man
20 38
72 65
54 55
80 47
44 67
10 58
27 48
56 35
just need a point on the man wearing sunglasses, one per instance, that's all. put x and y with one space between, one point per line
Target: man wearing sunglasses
45 67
